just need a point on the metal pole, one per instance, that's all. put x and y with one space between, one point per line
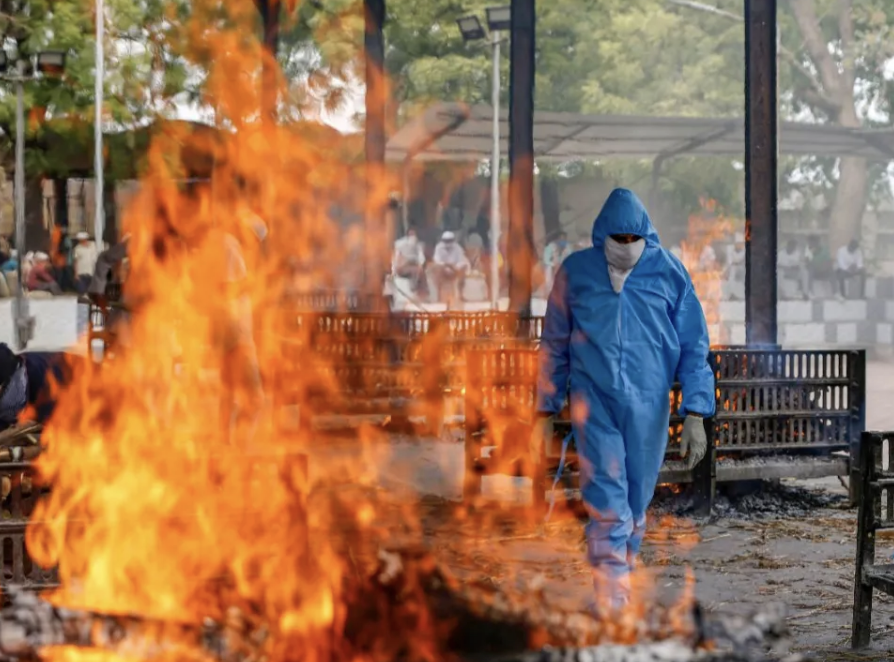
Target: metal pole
20 314
378 234
521 156
99 210
495 177
761 188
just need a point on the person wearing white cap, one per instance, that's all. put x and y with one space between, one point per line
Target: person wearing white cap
85 255
450 265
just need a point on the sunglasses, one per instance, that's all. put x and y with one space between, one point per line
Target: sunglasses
626 238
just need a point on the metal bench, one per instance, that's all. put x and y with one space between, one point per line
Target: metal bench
399 364
876 513
779 413
18 567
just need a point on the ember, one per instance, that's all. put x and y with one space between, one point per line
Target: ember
406 590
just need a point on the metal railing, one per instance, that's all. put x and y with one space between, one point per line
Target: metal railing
876 513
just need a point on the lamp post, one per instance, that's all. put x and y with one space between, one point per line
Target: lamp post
23 69
99 215
498 19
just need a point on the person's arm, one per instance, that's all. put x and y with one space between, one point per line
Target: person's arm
693 372
103 269
45 276
555 362
397 259
858 260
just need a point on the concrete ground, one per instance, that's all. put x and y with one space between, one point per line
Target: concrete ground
796 546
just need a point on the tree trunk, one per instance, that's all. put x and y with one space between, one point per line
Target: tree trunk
60 203
850 201
550 205
832 93
37 236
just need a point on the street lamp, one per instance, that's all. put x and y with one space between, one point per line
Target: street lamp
498 20
49 63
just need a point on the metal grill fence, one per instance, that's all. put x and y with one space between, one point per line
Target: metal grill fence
18 567
876 515
769 401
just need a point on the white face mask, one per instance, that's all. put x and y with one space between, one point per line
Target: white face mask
621 259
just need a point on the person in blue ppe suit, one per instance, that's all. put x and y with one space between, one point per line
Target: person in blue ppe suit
622 322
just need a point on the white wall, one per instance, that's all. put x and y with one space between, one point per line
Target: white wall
57 323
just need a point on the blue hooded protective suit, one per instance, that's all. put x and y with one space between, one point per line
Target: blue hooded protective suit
618 354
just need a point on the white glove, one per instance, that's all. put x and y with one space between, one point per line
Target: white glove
694 441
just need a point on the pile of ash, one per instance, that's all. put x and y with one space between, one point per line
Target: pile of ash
750 500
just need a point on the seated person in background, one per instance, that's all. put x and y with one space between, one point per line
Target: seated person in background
40 277
848 265
793 265
409 259
707 260
11 263
28 382
819 261
475 284
734 269
450 264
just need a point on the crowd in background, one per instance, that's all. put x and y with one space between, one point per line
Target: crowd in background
460 270
804 271
66 269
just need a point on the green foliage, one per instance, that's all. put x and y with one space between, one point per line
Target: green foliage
659 58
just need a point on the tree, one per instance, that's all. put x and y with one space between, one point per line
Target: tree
834 70
657 57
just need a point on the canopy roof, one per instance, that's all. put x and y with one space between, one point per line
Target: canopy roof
457 132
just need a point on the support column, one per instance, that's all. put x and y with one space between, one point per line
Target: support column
270 13
761 184
377 233
520 244
60 203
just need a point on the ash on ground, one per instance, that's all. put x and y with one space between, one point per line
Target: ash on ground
749 500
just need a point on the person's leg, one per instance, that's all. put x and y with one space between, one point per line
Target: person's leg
811 277
83 284
438 279
645 428
841 278
861 282
604 491
804 281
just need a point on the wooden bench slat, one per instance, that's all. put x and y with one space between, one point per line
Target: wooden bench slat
880 577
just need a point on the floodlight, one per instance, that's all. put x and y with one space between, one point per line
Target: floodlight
51 62
499 18
471 28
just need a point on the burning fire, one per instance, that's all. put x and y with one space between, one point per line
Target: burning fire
704 265
173 493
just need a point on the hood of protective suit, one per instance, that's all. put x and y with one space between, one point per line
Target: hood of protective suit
623 213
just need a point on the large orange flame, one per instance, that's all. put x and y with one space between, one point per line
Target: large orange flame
175 493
